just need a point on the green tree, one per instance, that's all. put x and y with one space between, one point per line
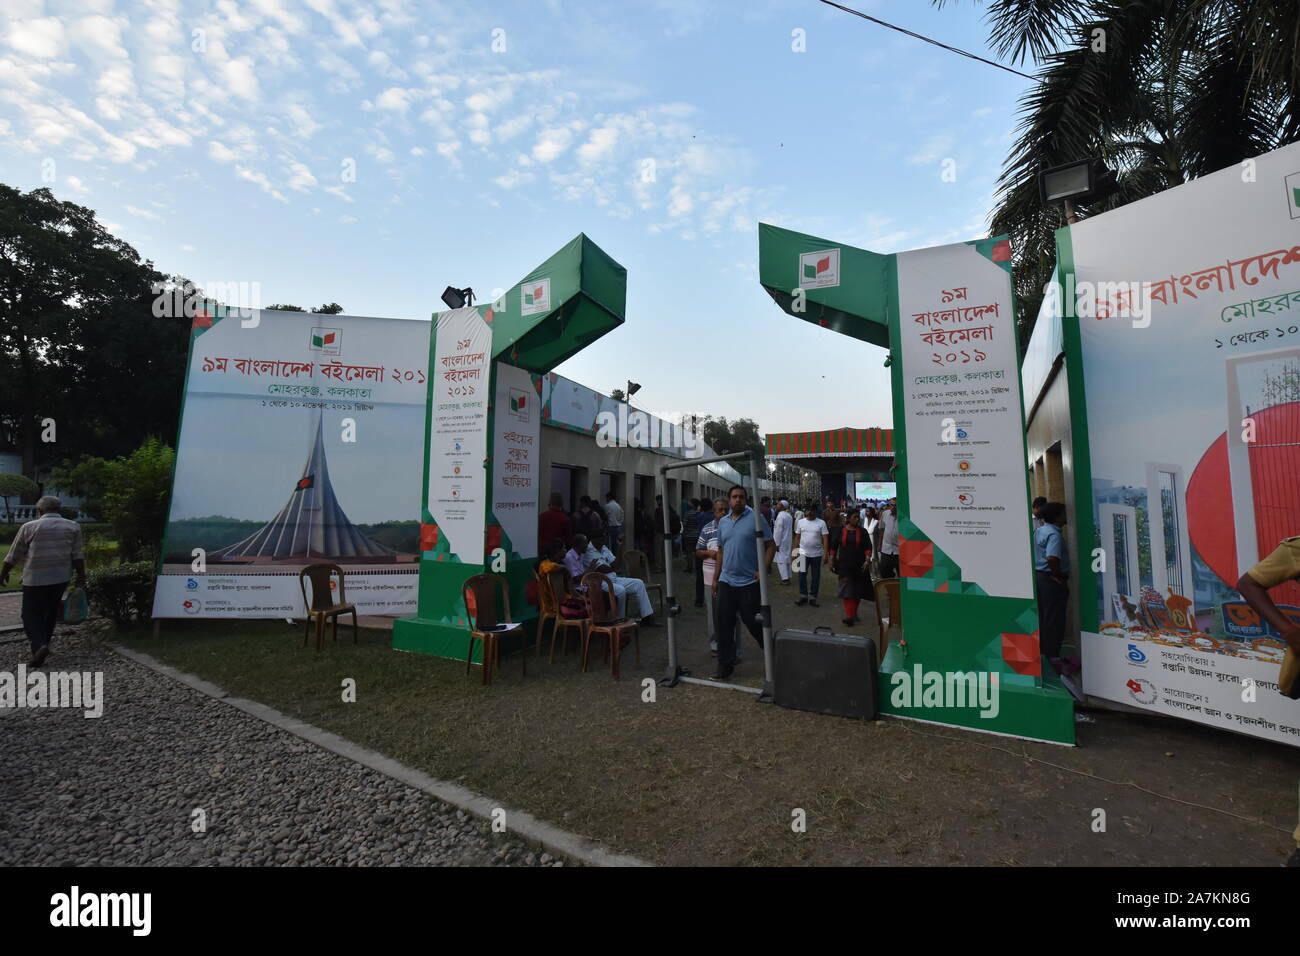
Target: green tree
728 437
330 308
15 486
84 358
135 498
87 479
1162 91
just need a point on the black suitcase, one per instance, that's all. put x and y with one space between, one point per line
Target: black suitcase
826 673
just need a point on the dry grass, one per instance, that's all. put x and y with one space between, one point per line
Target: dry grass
708 776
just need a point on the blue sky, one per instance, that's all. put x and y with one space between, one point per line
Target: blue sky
224 155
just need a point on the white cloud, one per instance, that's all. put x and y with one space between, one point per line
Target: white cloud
254 176
551 143
186 247
40 38
931 151
395 99
513 178
240 78
143 213
304 126
417 150
448 150
599 144
301 178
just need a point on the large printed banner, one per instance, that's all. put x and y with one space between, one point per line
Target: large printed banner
458 431
965 439
1189 327
298 445
516 458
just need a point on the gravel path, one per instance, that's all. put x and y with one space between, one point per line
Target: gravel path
121 790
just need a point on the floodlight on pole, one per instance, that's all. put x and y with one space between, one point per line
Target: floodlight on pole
632 388
1085 180
457 298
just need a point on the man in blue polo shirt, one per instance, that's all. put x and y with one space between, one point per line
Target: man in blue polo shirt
736 589
1052 570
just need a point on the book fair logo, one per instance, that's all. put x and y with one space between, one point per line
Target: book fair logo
535 297
819 270
1293 195
1141 690
519 405
328 341
1135 656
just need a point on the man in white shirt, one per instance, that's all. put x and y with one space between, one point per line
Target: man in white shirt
614 514
706 550
814 541
51 547
889 540
600 558
783 534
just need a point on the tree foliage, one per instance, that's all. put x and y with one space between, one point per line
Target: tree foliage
16 486
79 341
1162 91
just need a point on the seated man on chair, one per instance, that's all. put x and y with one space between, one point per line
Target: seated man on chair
600 558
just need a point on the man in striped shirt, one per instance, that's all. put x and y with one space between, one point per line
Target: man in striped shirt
51 547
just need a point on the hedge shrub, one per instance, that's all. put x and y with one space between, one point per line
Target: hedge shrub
123 594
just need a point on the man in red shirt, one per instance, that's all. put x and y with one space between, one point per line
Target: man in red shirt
554 523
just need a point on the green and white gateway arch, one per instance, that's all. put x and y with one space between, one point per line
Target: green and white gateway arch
482 443
970 652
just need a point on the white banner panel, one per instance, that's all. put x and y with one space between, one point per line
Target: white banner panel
965 438
1189 320
458 431
516 457
286 415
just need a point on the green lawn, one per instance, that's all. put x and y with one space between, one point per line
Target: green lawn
707 776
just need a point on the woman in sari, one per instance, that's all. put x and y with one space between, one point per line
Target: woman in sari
852 566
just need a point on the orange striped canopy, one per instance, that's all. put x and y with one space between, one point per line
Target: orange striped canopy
836 441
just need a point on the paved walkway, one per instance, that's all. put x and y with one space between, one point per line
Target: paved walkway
123 789
11 603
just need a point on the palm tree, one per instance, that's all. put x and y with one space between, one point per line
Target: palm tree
1162 91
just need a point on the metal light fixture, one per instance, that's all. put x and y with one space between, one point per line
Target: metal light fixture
457 298
1085 180
632 388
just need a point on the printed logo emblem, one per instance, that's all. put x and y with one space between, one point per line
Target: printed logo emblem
1141 690
819 270
1293 195
329 341
964 466
191 584
192 606
1135 654
962 433
535 296
519 405
965 498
